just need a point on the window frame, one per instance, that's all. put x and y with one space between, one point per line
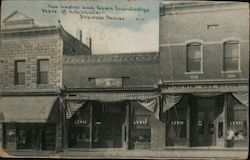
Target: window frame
39 72
17 73
201 58
224 53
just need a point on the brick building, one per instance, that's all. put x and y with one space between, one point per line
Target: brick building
193 93
31 79
205 48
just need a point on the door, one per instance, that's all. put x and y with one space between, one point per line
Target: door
108 119
203 114
206 133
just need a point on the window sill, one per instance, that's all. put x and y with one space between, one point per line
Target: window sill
228 72
194 73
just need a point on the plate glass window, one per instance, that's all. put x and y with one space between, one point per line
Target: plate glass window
231 56
194 58
43 68
20 72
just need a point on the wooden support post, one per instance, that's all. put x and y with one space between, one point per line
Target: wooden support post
188 121
225 119
1 135
247 125
91 126
65 126
127 124
59 129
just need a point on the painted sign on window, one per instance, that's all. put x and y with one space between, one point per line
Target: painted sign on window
177 122
83 122
141 121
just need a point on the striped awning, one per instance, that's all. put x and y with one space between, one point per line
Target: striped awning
72 107
114 96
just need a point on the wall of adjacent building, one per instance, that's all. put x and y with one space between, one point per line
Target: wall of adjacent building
31 48
210 25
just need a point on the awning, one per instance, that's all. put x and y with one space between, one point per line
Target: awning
23 109
115 96
72 107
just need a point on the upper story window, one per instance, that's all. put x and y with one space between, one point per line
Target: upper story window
231 56
194 57
42 71
20 72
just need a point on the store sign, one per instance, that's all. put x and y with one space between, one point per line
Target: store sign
108 82
201 87
83 122
177 123
234 123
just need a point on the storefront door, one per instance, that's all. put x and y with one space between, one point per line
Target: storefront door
203 115
206 134
108 119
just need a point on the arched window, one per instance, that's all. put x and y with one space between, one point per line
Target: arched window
231 56
194 57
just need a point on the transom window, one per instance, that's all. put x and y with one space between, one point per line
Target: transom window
42 72
20 72
231 56
194 57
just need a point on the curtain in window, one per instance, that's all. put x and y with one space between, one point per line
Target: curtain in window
151 105
171 100
242 97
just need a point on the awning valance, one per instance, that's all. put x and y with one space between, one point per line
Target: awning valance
242 97
35 109
115 96
170 100
72 107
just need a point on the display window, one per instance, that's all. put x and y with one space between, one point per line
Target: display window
97 125
29 136
140 127
176 129
236 123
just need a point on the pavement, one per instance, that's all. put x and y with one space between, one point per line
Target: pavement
170 153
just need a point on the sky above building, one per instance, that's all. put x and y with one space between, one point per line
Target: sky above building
115 26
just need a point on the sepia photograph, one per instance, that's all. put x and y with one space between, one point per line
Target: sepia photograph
124 79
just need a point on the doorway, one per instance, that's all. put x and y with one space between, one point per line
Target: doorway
108 121
203 121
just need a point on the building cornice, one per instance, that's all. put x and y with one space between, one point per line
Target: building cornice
152 57
212 81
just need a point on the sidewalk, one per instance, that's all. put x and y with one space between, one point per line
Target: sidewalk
133 154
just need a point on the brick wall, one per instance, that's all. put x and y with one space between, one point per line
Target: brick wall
31 48
211 26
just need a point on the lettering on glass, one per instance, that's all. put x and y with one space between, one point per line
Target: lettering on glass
177 123
233 123
84 122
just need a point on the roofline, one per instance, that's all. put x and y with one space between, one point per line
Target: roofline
185 4
212 81
129 89
37 28
15 13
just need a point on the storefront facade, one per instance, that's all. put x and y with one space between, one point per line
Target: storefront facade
34 127
118 120
213 117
